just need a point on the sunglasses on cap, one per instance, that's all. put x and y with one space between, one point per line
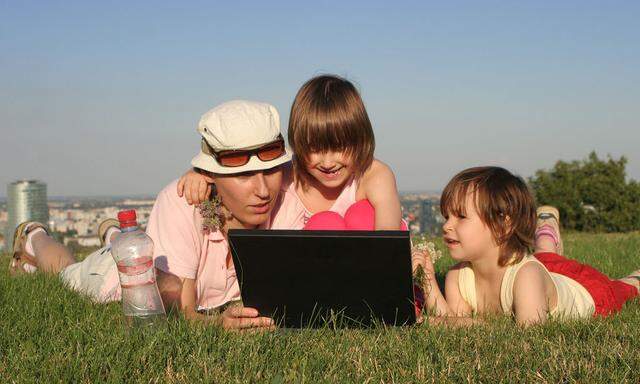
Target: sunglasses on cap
240 157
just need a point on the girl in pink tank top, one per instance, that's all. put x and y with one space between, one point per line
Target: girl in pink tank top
292 213
334 172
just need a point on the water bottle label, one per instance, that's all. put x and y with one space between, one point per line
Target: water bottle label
136 272
137 266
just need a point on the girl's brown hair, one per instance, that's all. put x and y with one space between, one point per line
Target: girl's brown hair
503 201
328 115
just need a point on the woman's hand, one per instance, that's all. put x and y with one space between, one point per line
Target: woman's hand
181 293
194 186
241 318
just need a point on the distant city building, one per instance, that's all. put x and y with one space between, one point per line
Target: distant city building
26 201
137 203
430 218
85 241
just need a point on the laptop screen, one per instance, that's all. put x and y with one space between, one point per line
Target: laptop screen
312 278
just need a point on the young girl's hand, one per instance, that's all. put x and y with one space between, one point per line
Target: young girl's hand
423 269
423 275
194 187
420 257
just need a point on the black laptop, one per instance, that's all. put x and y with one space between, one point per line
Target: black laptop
319 278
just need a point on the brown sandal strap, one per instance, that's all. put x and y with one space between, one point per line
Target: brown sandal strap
103 228
21 239
35 225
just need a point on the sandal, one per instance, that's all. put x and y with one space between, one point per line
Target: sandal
22 262
549 224
103 228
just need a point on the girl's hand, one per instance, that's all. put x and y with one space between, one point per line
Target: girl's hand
425 275
194 187
420 257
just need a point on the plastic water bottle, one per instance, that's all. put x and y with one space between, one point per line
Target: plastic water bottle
133 252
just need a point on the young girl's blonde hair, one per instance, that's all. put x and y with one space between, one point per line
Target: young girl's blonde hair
328 115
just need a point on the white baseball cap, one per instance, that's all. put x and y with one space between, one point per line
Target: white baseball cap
239 125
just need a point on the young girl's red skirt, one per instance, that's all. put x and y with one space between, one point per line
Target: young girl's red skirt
608 295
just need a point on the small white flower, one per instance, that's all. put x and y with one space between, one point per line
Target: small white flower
430 248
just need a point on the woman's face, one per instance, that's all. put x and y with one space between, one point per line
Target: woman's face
249 196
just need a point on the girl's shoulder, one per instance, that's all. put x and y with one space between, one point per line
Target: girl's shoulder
525 279
528 270
378 172
527 267
377 167
461 270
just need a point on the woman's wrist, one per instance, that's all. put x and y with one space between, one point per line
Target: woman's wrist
214 316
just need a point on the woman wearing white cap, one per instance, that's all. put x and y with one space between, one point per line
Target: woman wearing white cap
242 153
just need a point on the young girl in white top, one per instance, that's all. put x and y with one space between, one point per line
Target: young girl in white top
334 172
491 225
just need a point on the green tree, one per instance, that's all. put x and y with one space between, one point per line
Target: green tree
591 194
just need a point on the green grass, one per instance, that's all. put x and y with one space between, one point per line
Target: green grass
50 334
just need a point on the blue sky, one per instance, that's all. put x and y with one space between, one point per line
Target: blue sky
100 98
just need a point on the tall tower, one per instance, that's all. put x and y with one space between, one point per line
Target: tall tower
430 218
26 201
